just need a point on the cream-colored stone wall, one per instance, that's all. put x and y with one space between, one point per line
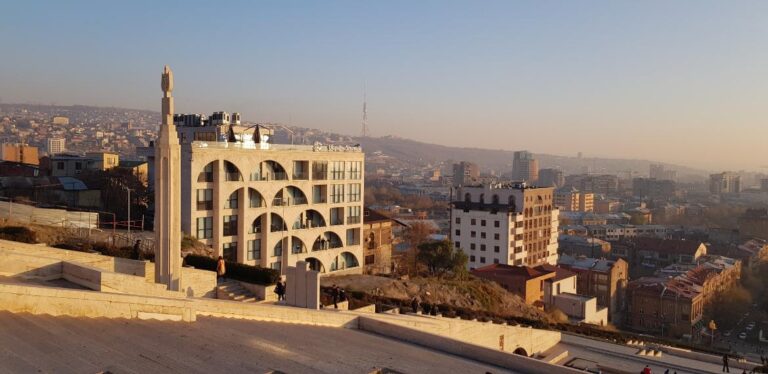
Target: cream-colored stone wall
76 303
196 156
106 281
460 347
198 283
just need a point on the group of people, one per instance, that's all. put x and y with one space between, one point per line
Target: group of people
425 307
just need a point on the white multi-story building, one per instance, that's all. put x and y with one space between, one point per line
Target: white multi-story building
270 204
511 224
56 146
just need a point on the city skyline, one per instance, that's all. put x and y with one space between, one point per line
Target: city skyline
624 80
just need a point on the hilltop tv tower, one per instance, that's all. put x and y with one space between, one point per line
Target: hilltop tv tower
365 112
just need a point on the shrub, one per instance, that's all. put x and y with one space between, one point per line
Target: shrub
241 272
17 234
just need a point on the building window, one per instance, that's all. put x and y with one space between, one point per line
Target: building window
370 259
496 236
230 251
472 258
473 222
205 227
354 192
353 236
458 232
353 214
482 247
255 199
60 165
482 223
275 265
337 170
278 250
319 170
355 170
482 260
337 216
472 234
495 260
472 246
458 220
232 201
205 199
496 248
456 244
230 225
207 174
301 170
254 249
337 193
496 224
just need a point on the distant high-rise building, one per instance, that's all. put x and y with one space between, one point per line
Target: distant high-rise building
60 120
653 188
510 224
658 171
56 146
551 178
465 173
600 184
725 182
22 153
525 168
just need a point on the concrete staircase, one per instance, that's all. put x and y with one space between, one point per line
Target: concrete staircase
233 290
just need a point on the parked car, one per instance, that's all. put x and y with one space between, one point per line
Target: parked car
743 336
727 333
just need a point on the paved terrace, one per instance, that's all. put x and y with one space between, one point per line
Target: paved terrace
41 343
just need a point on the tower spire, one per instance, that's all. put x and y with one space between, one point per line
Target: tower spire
167 190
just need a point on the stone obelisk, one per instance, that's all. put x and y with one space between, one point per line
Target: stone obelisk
167 194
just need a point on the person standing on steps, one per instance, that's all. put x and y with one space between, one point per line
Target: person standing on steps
136 252
280 290
726 369
221 269
335 296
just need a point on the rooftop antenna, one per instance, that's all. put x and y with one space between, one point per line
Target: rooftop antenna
365 111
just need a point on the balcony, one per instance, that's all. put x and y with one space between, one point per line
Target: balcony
353 220
303 175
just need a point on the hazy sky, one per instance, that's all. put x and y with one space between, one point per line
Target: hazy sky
676 81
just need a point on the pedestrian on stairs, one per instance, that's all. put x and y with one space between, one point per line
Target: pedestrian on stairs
221 269
280 290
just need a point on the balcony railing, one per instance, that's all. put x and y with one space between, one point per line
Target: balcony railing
301 175
205 205
353 220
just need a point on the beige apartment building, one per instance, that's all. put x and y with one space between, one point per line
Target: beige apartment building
22 153
570 199
271 204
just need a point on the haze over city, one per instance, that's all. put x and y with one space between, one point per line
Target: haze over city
680 82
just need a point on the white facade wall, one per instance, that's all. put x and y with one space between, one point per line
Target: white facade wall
527 225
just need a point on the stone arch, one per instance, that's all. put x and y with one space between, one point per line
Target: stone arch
482 198
467 197
328 240
233 201
257 226
520 351
290 195
256 199
346 260
277 223
495 199
297 245
207 174
277 250
315 264
308 219
269 170
231 172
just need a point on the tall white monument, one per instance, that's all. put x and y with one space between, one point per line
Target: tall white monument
167 194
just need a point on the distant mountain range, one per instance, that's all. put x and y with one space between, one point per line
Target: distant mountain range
414 153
